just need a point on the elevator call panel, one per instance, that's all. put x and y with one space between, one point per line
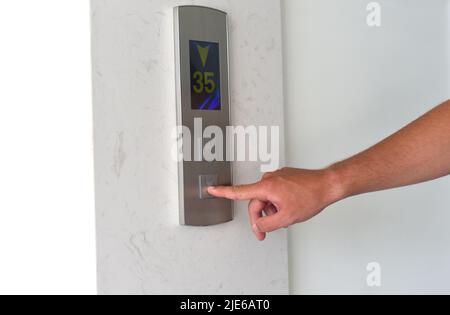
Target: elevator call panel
201 66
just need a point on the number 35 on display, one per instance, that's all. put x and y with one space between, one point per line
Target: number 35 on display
204 82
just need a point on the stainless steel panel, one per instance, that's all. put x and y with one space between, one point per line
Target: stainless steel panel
209 25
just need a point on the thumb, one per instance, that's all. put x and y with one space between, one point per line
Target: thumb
272 223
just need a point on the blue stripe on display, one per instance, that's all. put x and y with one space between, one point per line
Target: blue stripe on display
216 101
205 103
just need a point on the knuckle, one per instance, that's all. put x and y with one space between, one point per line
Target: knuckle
255 206
275 182
251 207
272 182
267 185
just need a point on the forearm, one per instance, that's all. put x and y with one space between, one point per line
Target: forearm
417 153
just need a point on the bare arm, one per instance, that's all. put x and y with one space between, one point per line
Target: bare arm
417 153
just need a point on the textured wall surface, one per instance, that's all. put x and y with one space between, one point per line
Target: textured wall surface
348 86
141 247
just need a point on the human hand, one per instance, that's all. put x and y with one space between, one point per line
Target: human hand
284 197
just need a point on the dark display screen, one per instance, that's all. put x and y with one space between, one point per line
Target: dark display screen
205 75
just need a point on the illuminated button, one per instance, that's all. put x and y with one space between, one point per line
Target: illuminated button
204 182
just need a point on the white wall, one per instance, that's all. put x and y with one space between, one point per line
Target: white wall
348 86
141 247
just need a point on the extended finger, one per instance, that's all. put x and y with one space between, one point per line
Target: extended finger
241 192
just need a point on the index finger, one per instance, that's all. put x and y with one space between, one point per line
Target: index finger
240 192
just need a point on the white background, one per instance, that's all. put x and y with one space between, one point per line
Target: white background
47 230
348 86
